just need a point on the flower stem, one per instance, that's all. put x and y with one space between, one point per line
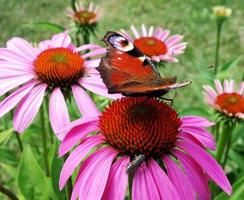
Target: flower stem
8 193
73 5
130 187
69 185
50 131
19 141
218 35
44 140
227 149
222 143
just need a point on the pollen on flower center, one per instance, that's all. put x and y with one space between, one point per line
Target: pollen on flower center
84 16
151 46
140 126
59 66
231 102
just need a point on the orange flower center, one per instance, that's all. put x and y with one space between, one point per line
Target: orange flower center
140 126
84 16
59 66
231 102
151 46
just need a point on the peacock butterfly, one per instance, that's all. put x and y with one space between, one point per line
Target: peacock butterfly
126 70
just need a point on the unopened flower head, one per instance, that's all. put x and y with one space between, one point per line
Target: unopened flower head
176 164
222 11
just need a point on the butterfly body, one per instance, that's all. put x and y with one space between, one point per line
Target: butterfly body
126 70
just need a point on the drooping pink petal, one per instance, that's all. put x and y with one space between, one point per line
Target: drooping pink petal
76 157
9 83
86 125
94 175
202 135
166 189
143 185
94 53
8 69
28 108
13 99
210 91
117 181
85 104
196 121
61 40
96 85
58 113
23 48
173 40
179 179
195 175
86 47
164 34
218 86
209 164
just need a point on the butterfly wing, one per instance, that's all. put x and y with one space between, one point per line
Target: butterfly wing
125 65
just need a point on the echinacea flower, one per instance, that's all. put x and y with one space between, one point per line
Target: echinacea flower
84 16
225 99
177 166
157 44
55 67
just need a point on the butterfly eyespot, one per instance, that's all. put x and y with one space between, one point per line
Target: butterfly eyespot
120 43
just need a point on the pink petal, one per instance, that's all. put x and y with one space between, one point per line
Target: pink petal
85 104
58 113
28 108
179 179
196 121
150 31
9 83
94 53
61 40
86 47
126 35
164 34
166 189
8 69
135 32
210 166
210 91
202 136
95 172
13 99
195 175
86 125
226 86
43 45
22 48
143 185
117 181
76 157
241 88
218 86
173 40
232 86
92 63
8 55
98 87
144 30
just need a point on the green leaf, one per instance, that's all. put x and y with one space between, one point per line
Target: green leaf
50 26
5 135
230 64
31 179
238 191
8 156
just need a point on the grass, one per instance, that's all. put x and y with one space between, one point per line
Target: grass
192 18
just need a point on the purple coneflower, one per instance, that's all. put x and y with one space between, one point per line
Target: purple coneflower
177 165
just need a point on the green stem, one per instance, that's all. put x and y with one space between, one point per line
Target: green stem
50 131
19 141
86 37
73 5
130 186
69 185
223 140
44 140
228 145
77 38
8 193
218 35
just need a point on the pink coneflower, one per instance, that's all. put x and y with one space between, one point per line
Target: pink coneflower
226 99
157 44
177 166
57 68
84 16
